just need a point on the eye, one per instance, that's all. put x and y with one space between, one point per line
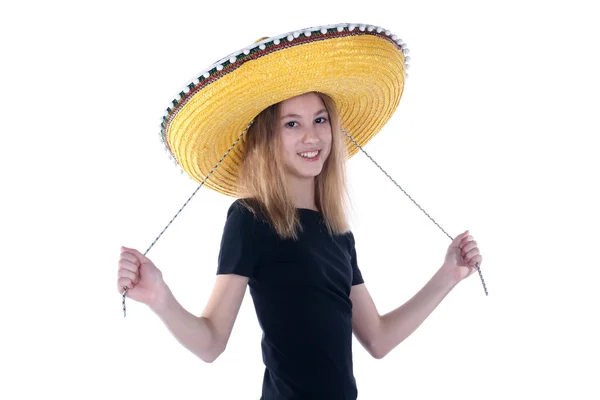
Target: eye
291 124
321 120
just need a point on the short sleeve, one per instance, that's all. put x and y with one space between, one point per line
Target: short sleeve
241 248
357 278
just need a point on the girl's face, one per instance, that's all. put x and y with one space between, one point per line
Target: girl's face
305 135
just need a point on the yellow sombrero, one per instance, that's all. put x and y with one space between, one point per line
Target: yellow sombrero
361 67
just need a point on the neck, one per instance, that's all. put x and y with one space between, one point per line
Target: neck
303 192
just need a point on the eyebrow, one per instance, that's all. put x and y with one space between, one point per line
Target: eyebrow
324 110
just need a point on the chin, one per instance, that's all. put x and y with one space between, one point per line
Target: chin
306 174
305 170
310 172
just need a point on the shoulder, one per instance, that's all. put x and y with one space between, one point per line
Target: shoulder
346 240
245 213
243 242
237 208
246 208
349 238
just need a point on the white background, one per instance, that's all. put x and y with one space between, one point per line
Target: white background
496 133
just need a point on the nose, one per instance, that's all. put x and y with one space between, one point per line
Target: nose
310 136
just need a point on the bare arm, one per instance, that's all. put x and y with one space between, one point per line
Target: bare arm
205 336
366 321
381 334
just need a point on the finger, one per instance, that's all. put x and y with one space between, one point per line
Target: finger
469 246
474 260
122 282
456 242
128 265
130 257
466 241
123 273
469 255
136 253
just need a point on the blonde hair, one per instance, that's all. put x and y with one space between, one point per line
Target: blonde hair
263 181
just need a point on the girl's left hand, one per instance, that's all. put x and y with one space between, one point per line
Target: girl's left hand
461 257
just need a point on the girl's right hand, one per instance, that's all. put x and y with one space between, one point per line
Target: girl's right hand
143 280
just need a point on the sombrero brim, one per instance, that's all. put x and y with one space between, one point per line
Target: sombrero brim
361 67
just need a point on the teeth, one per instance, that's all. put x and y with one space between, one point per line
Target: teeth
310 154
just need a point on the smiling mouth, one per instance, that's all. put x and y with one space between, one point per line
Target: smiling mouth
310 154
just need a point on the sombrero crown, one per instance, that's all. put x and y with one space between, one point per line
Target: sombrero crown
361 67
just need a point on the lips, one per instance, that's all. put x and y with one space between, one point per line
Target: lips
310 154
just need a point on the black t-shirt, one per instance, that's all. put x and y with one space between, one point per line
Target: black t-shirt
301 293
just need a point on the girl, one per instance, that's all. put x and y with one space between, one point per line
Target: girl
288 239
